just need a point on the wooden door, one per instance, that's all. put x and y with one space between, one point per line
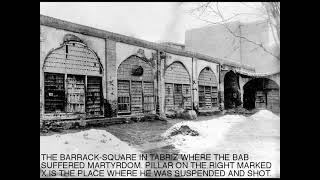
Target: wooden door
54 93
178 97
148 98
123 96
94 96
202 97
169 103
207 91
214 96
136 97
76 94
260 101
186 92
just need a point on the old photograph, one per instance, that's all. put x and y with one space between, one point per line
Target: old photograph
160 89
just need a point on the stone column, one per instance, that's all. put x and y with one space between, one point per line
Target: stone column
241 84
110 103
162 57
194 85
221 90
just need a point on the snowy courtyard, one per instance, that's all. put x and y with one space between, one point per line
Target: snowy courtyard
257 135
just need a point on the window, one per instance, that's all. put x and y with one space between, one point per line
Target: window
123 96
70 95
177 96
94 96
214 96
168 90
201 97
54 93
208 97
123 103
148 98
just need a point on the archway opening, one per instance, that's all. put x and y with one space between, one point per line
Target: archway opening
208 90
135 86
73 80
261 93
232 95
177 87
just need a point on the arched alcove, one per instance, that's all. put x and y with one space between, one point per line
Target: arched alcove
135 86
73 79
177 87
207 89
261 93
73 58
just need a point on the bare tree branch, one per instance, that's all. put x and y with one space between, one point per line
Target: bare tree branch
248 40
266 11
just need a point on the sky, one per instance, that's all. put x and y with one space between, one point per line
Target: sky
151 21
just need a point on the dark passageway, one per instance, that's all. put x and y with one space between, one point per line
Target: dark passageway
261 93
232 96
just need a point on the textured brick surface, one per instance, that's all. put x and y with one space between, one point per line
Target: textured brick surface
176 73
124 71
207 78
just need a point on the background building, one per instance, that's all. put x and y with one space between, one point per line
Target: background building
218 42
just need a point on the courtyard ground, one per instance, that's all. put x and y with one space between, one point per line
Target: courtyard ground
257 135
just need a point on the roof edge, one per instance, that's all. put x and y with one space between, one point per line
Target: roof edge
91 31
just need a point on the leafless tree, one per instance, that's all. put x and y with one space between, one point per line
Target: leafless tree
212 13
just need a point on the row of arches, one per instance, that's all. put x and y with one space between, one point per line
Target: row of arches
73 84
135 93
133 96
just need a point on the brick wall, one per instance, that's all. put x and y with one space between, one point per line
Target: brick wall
207 78
176 73
125 70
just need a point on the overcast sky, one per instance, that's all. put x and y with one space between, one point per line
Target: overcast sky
151 21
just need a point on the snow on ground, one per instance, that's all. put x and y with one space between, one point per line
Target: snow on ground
85 142
264 115
236 131
210 132
89 141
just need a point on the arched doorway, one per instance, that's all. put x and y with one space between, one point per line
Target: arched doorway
73 80
232 95
135 86
177 87
261 93
208 90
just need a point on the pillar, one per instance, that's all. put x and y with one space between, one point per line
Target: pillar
194 85
241 84
221 88
111 101
161 64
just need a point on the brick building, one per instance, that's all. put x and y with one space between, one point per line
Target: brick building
217 41
91 73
